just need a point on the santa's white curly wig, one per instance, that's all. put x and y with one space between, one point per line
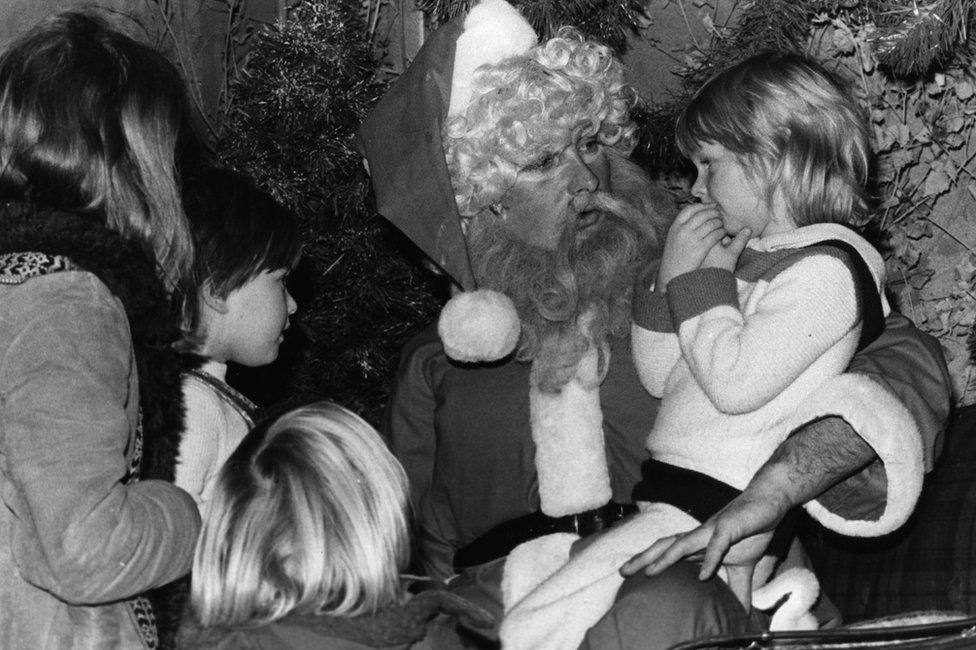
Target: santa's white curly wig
530 105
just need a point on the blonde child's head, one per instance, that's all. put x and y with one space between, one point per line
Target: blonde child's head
309 515
794 127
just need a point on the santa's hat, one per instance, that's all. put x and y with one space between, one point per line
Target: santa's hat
401 139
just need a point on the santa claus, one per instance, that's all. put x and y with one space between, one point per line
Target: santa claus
522 416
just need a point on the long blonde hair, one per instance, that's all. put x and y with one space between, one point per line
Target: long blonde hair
308 515
91 121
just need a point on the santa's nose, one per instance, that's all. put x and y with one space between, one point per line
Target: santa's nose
587 219
583 179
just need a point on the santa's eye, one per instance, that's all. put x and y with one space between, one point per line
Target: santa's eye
589 146
544 161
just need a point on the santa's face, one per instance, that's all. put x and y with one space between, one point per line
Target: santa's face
554 192
589 270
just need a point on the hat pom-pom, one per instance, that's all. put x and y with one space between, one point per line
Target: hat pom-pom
479 325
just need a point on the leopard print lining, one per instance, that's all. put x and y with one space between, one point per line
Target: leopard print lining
18 267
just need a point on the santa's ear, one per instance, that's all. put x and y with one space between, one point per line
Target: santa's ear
211 298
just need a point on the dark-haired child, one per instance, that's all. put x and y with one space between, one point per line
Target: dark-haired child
236 307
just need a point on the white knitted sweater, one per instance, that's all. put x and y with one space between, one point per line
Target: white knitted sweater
733 357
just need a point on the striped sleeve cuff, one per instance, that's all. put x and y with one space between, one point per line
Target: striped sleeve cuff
651 312
692 294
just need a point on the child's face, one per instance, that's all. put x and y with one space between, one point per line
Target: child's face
250 328
723 180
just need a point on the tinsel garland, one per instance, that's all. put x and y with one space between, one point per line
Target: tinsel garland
305 88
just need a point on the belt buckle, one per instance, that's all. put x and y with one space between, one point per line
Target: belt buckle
589 522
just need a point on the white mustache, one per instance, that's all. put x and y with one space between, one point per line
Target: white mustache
616 207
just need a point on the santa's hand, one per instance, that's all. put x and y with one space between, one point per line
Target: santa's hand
736 535
725 254
696 229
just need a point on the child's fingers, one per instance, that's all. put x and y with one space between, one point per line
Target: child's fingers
714 236
702 225
711 226
738 243
704 215
690 210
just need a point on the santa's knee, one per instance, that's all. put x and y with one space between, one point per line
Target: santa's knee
669 608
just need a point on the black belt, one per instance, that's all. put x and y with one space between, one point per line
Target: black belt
697 494
500 540
700 496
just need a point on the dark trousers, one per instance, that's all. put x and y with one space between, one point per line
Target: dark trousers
649 613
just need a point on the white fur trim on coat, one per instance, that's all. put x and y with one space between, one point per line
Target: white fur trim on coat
800 588
570 453
887 426
556 614
532 563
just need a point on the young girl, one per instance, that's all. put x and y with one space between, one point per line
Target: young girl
92 238
763 292
235 307
736 339
303 542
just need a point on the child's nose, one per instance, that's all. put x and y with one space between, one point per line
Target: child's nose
292 305
699 189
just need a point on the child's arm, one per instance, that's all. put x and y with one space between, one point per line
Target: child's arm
77 531
654 343
198 462
694 232
742 362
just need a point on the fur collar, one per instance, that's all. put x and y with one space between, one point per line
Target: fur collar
129 272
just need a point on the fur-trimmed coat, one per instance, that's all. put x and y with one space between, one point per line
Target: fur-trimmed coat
85 363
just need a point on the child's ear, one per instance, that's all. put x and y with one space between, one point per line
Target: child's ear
211 299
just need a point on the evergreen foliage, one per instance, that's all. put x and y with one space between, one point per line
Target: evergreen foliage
302 92
914 38
293 105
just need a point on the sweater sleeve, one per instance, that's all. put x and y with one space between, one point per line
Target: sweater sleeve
65 380
654 341
199 462
744 361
